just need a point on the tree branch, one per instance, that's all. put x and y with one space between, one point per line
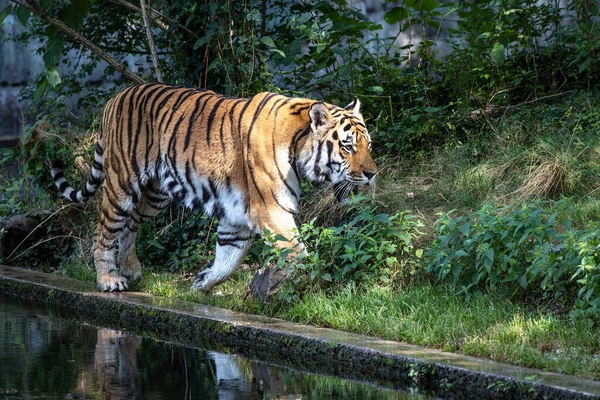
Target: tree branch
157 15
42 13
157 70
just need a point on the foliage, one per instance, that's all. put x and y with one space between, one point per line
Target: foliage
177 240
522 249
368 247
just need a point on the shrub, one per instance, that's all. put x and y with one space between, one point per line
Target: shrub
368 247
522 249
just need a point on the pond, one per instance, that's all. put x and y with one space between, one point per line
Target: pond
44 355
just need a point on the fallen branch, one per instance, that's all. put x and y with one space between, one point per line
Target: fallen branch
42 13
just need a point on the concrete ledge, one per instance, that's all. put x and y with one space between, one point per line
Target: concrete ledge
313 349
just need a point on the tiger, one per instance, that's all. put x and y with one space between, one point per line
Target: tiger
240 160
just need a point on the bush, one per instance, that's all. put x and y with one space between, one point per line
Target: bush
520 249
368 247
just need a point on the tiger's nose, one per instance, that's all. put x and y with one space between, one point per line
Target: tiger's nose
369 174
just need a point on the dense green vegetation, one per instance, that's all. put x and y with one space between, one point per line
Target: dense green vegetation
487 194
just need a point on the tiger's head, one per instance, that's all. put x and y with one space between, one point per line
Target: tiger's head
341 148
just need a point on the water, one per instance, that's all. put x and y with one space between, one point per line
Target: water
45 356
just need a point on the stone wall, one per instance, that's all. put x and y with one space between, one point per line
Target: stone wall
18 66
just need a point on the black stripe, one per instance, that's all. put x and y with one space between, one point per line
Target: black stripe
112 220
317 167
193 117
172 109
224 243
234 238
221 132
154 109
188 176
298 111
329 150
211 118
298 135
285 101
281 176
213 188
205 194
258 110
58 175
110 229
117 209
63 186
130 109
284 208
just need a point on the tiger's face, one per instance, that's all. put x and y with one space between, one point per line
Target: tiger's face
342 148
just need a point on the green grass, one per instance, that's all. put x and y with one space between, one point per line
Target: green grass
491 326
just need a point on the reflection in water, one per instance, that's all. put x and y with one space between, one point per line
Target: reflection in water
116 363
51 357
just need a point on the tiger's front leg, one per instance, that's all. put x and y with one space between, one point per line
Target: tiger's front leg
233 243
268 280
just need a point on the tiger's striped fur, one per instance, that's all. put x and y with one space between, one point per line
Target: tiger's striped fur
241 160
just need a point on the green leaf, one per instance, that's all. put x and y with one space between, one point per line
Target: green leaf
326 277
456 270
385 218
73 13
280 238
200 42
51 31
268 41
429 5
53 51
23 15
154 243
53 76
396 14
5 13
497 53
419 253
460 253
40 89
426 5
45 4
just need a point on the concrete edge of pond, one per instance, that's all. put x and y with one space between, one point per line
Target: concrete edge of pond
314 349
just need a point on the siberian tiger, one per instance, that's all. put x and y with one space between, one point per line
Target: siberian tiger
240 160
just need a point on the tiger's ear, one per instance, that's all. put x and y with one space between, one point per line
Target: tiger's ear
354 107
319 117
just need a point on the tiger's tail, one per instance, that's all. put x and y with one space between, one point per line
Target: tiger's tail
94 181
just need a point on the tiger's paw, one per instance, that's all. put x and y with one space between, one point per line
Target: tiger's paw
132 270
201 281
112 283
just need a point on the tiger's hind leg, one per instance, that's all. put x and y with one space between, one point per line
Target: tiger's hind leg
151 203
115 212
233 243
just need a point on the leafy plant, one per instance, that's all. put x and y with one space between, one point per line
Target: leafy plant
522 249
368 247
